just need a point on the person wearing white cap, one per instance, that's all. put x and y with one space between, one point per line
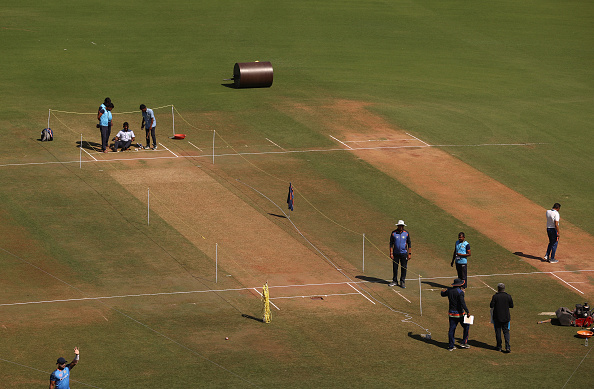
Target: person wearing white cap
399 253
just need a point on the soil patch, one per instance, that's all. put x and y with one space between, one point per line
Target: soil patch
503 215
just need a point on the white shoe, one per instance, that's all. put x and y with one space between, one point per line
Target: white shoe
392 284
546 257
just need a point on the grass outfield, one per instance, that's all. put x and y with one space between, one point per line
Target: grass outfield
144 307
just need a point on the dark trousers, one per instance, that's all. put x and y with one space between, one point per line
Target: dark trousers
553 241
462 273
105 132
453 324
400 260
151 132
123 144
502 326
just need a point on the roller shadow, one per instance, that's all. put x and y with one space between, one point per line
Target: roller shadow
277 215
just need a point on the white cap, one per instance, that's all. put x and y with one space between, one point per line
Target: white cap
400 223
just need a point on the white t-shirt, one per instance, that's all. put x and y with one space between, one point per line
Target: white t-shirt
126 135
552 217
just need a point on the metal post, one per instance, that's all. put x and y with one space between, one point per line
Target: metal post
363 253
148 209
213 143
217 263
420 297
80 154
48 117
173 119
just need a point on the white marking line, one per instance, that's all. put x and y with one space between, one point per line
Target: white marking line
398 293
313 295
561 279
195 146
274 286
275 144
425 143
375 140
358 291
339 141
89 154
272 152
513 274
487 285
168 149
268 298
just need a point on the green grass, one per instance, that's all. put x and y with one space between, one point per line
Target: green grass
449 72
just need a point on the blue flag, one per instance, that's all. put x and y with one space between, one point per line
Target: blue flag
290 197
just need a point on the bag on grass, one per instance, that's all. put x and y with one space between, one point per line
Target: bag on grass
565 316
47 135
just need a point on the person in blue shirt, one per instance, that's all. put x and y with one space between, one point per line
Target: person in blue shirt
60 378
399 253
105 118
460 257
149 123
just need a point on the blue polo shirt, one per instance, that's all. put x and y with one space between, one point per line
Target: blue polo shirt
62 378
400 241
105 118
462 248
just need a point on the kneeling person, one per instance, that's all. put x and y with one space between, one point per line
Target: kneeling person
124 138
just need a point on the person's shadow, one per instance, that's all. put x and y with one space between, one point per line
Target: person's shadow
94 146
435 285
431 341
373 279
529 256
445 345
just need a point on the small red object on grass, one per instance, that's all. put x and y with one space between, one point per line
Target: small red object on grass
179 136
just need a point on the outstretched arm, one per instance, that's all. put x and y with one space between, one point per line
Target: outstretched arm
76 357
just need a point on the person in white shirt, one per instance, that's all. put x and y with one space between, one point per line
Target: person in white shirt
124 139
552 232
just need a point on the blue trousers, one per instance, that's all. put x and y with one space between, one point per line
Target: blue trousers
553 241
453 324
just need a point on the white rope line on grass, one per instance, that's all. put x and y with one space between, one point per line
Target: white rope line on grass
576 369
113 113
131 318
252 153
43 371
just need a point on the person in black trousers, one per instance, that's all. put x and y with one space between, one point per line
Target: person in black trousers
501 302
